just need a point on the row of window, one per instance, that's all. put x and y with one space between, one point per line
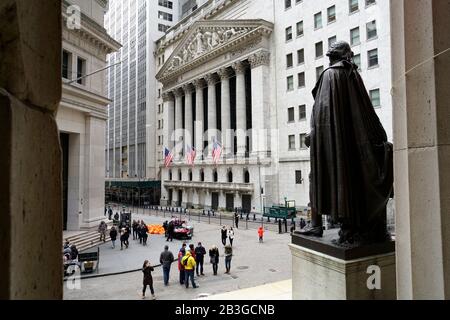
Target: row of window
166 4
67 73
372 62
353 5
215 176
163 28
165 16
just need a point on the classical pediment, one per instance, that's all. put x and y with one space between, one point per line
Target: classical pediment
208 39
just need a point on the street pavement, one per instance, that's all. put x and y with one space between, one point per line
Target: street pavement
253 265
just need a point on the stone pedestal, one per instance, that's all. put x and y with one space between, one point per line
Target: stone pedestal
322 271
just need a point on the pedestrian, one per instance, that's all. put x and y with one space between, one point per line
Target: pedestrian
113 236
148 279
165 226
236 219
134 226
231 235
127 235
189 264
110 213
228 256
192 250
180 265
170 230
261 234
102 230
166 259
144 232
123 240
214 258
200 253
224 235
139 233
73 252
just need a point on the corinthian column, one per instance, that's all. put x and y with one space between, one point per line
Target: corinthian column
178 123
199 116
188 118
169 103
211 80
226 136
241 111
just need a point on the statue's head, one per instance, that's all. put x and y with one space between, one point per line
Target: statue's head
339 51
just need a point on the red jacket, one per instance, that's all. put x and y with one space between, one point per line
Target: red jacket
180 266
260 232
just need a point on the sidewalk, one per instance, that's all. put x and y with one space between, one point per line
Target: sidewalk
273 291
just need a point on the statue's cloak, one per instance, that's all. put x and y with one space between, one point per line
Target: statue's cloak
351 159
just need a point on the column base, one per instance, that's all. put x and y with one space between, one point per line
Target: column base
324 271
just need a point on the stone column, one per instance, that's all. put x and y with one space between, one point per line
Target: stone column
259 63
188 117
199 117
179 136
211 80
226 136
169 119
422 147
241 111
30 157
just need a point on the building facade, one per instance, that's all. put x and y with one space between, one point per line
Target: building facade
82 113
241 72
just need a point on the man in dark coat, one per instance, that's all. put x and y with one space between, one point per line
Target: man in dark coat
200 253
351 159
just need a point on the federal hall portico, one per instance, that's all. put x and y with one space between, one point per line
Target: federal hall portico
216 86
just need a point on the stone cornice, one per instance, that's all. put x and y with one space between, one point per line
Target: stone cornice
92 31
84 101
186 56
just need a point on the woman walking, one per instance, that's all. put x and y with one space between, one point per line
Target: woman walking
148 279
228 256
231 235
113 235
214 256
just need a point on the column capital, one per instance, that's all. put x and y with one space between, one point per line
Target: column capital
259 58
224 74
211 79
198 84
178 92
239 67
167 96
188 88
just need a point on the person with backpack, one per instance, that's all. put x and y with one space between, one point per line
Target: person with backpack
200 253
189 264
228 256
214 258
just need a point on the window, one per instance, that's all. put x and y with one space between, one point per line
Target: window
302 112
319 49
331 13
319 71
302 141
246 176
291 142
165 16
290 83
354 36
190 175
67 65
170 175
301 79
298 177
370 2
375 97
291 115
318 20
165 3
300 56
180 175
215 176
289 60
371 30
372 57
230 176
202 175
353 6
159 93
288 33
81 70
163 27
357 61
331 40
287 4
300 29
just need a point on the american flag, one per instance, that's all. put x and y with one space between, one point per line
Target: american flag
168 157
190 155
217 151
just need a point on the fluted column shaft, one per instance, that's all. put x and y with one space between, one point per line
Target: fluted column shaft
188 116
169 103
178 123
211 79
199 116
226 137
241 109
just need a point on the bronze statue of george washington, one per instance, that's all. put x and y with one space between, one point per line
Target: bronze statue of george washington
351 176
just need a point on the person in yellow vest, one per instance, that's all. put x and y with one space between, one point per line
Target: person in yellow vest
189 264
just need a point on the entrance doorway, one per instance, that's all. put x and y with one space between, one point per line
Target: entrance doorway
214 201
230 202
247 202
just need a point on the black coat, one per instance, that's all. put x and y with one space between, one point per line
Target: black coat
148 279
214 255
351 159
113 235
